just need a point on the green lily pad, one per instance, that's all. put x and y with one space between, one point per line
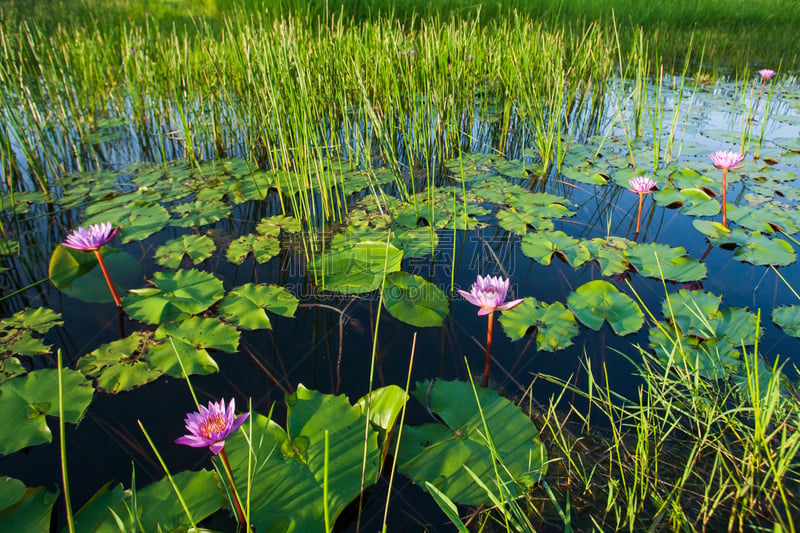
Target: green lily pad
414 300
437 453
120 365
158 507
174 296
247 304
25 400
202 333
597 301
91 515
656 260
520 221
263 248
287 489
761 250
416 242
543 245
357 268
694 312
692 201
555 324
711 359
25 508
787 317
197 247
200 213
79 275
144 221
16 331
610 254
719 235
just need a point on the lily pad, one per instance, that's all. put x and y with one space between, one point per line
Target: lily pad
414 300
25 400
660 260
761 250
25 508
543 245
174 296
202 333
287 489
78 274
197 247
787 318
437 453
693 312
247 304
120 365
711 359
597 301
17 331
263 248
555 325
358 268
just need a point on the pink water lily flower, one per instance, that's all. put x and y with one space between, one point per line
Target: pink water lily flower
489 293
211 426
766 73
642 185
726 160
92 238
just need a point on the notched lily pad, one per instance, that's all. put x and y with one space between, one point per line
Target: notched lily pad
554 324
598 301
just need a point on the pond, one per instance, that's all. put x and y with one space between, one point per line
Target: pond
260 304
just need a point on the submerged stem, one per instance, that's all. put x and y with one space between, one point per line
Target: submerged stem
639 215
102 264
724 203
488 351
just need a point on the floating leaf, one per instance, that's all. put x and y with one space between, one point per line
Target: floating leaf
438 452
520 221
417 242
262 247
120 365
711 359
24 508
597 301
25 400
16 331
197 247
693 312
787 318
174 295
761 250
200 213
357 268
555 324
144 221
287 494
202 333
660 260
77 273
245 306
159 509
414 300
543 245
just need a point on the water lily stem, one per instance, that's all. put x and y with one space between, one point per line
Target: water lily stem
724 203
236 501
63 439
102 264
639 215
488 351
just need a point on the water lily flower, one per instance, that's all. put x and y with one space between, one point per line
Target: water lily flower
766 73
641 186
726 160
91 240
489 293
211 426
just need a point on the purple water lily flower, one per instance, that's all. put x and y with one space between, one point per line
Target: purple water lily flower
766 73
91 238
489 293
726 160
211 426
